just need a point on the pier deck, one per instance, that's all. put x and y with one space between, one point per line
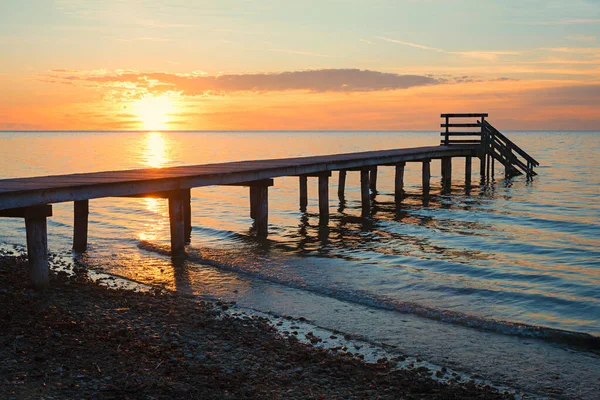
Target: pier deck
26 192
32 198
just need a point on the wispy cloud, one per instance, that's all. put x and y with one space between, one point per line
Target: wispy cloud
485 55
366 41
482 55
418 46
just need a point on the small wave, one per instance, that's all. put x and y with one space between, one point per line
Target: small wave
585 340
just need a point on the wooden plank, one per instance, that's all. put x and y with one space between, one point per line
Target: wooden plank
461 125
462 141
470 115
450 134
262 182
28 212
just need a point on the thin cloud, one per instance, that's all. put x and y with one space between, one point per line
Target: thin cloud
418 46
483 55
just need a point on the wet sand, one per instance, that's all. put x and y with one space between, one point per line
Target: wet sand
80 339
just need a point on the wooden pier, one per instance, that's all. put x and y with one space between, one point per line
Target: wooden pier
32 198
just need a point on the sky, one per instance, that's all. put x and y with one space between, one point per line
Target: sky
275 65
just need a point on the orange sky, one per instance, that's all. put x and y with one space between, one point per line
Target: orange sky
83 66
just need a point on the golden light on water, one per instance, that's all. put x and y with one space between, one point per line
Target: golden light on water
155 153
154 112
154 227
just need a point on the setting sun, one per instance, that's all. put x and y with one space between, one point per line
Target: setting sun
154 112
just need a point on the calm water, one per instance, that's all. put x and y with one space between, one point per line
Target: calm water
472 279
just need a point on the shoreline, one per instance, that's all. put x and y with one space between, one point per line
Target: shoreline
82 339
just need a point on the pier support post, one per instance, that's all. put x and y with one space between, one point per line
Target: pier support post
482 167
399 180
373 179
426 176
303 192
253 203
342 184
37 250
187 213
37 240
468 166
80 225
364 191
261 212
177 224
324 198
446 173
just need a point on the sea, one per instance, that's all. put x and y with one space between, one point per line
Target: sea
498 279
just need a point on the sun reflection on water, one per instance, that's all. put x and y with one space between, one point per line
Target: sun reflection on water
155 153
154 228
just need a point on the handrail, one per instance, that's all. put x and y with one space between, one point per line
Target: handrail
472 115
522 152
492 143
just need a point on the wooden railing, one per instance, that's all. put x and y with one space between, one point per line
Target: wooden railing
472 136
507 152
494 145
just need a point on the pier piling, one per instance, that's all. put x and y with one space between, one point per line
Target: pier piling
324 198
446 173
468 166
261 218
399 180
426 176
37 250
341 184
364 191
177 223
186 198
373 179
303 192
80 225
